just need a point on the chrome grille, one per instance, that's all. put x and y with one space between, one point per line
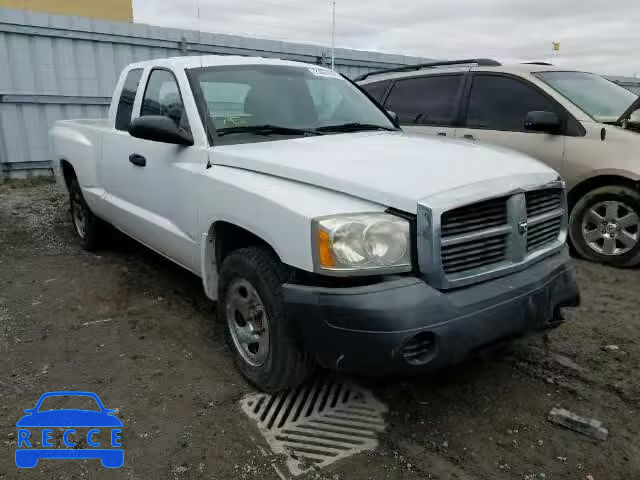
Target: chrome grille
473 254
543 201
461 248
481 215
544 215
478 241
543 233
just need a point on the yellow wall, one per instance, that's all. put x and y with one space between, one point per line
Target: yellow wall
119 10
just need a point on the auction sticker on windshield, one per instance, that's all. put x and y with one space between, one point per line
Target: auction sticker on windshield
323 72
69 425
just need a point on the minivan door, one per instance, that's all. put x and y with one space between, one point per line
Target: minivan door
427 105
495 114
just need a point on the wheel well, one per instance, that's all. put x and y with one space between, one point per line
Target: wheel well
67 172
229 237
586 186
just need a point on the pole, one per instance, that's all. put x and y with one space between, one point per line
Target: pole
333 38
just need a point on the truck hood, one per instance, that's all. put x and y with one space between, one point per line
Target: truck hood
389 168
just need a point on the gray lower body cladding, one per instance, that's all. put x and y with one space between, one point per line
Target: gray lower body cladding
404 326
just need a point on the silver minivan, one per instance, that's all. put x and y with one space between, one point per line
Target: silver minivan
579 123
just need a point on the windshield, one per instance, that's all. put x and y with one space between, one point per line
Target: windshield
598 97
305 98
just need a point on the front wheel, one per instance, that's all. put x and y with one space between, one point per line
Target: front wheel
605 226
262 338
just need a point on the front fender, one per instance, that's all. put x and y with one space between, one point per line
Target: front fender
277 210
604 172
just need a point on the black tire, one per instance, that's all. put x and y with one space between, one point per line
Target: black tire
286 364
611 193
90 229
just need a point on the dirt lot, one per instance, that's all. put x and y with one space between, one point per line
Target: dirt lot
138 331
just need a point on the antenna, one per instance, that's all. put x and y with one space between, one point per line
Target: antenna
333 37
205 120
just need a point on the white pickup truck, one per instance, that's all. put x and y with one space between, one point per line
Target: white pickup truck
328 236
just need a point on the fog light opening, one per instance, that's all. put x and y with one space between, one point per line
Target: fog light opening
419 349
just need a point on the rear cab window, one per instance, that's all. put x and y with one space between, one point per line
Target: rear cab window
127 98
431 100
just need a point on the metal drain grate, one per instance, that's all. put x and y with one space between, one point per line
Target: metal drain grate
318 423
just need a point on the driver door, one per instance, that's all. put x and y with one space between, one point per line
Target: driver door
151 179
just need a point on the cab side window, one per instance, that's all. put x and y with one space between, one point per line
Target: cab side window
502 103
162 97
431 100
127 97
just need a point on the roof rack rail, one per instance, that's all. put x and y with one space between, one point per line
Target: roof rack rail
483 62
537 63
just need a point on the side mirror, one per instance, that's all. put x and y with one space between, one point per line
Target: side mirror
394 118
159 129
29 410
540 121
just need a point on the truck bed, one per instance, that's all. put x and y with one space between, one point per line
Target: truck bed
80 140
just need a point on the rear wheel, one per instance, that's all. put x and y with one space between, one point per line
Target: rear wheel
88 227
263 340
605 226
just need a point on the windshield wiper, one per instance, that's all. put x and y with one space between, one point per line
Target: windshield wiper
353 127
627 113
266 130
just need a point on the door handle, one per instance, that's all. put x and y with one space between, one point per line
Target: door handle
137 160
442 134
468 136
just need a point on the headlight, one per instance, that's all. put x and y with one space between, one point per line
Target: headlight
362 243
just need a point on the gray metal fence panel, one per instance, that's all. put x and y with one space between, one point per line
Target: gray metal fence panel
56 67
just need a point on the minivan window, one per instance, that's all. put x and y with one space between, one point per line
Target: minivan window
162 97
428 100
502 103
127 97
242 97
601 99
376 89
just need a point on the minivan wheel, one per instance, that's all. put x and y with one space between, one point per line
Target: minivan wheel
87 226
262 338
605 226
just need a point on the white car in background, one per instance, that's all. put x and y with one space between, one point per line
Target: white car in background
578 123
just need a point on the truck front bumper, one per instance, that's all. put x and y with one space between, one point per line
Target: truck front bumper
403 325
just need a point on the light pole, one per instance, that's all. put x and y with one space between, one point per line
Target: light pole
333 37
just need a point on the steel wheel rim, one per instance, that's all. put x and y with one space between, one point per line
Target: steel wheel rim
79 217
611 228
248 322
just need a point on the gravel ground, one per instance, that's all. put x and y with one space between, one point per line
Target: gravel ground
137 330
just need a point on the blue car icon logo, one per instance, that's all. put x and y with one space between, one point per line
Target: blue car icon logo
98 429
